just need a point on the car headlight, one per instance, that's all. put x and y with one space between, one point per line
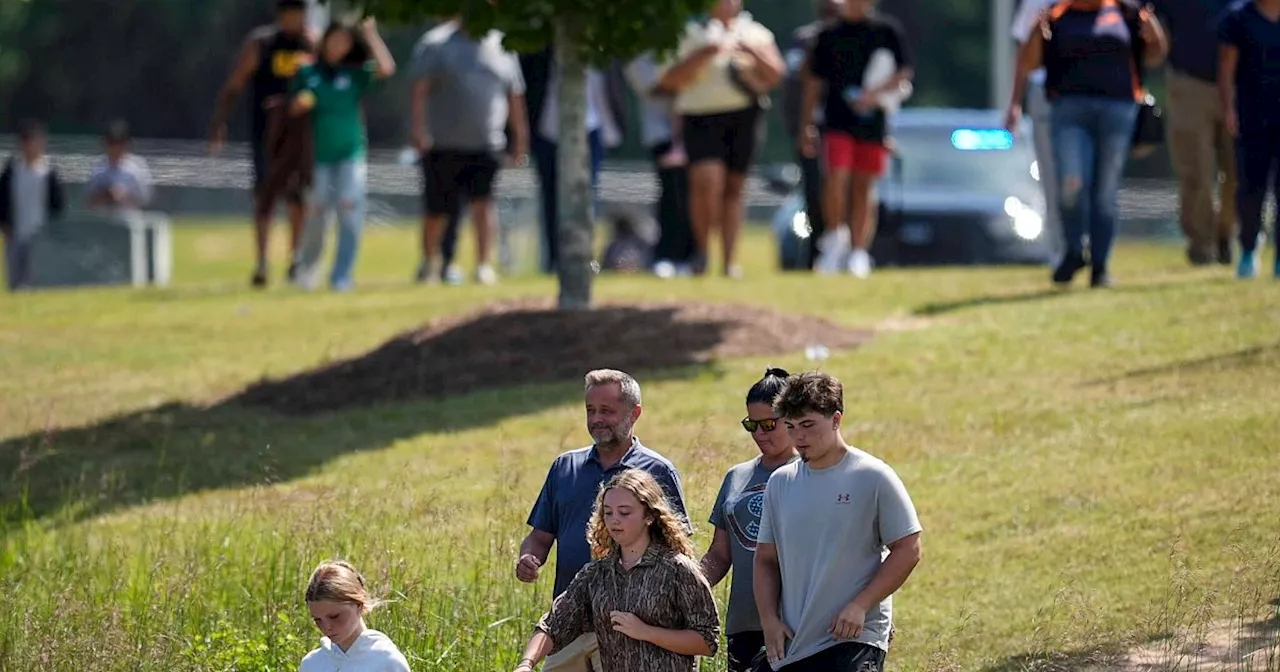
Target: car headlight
1027 223
800 225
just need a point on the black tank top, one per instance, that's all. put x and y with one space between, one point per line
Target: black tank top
280 57
1091 55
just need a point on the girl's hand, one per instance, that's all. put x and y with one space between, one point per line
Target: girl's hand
369 25
302 103
629 625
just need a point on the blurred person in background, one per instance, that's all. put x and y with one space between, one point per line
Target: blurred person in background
1092 52
606 124
120 180
1037 106
1249 90
792 92
466 90
660 133
332 91
268 60
844 57
30 195
1201 148
723 69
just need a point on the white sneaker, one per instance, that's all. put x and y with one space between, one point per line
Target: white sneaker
860 264
485 275
453 275
664 269
833 251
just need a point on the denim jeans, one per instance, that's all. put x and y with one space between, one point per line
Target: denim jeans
1091 142
341 187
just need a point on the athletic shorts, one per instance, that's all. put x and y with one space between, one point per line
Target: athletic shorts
845 152
449 176
292 194
728 137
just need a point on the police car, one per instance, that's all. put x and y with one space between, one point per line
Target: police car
961 190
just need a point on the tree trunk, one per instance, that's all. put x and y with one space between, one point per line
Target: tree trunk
573 188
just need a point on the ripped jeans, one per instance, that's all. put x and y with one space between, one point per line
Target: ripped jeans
1091 142
341 187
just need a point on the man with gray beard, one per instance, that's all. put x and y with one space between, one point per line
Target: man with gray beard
564 506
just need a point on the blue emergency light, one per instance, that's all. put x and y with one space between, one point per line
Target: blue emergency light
981 139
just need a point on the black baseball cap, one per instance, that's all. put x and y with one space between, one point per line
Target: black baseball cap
286 5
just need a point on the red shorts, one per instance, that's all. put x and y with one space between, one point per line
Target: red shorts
845 152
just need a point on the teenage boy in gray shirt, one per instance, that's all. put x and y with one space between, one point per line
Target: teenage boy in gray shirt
827 521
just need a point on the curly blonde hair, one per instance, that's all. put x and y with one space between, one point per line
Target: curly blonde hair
665 529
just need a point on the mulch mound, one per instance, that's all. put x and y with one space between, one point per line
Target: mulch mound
520 342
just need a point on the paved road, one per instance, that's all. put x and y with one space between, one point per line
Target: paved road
186 164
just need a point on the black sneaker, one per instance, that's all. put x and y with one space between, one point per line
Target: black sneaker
1198 257
1099 278
1066 270
292 274
1224 251
259 279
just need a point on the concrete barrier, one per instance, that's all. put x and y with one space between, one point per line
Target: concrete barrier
94 248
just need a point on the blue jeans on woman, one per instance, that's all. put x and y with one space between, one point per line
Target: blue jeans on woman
337 186
1091 142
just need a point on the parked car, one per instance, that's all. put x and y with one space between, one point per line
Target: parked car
961 190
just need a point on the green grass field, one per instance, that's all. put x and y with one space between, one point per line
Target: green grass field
1094 469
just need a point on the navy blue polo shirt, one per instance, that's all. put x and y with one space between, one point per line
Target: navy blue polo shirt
1258 70
564 506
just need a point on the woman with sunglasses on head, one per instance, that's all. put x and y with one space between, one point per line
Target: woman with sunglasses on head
736 518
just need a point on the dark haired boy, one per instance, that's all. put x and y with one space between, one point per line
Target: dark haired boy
823 585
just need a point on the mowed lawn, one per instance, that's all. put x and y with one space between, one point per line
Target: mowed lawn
1092 468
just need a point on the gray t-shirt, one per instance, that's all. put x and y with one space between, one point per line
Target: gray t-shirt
831 528
467 107
737 512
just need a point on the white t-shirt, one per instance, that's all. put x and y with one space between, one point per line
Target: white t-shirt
371 652
1024 22
713 92
30 196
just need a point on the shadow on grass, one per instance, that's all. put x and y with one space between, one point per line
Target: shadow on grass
944 307
453 374
1245 357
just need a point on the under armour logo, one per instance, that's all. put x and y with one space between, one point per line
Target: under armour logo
842 499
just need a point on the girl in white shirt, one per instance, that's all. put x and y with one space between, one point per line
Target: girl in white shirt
338 600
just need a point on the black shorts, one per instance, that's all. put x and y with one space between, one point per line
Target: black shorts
728 137
743 647
843 657
292 194
449 176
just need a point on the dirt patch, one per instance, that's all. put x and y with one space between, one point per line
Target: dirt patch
519 342
1221 647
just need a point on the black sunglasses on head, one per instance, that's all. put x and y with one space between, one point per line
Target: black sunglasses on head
768 424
